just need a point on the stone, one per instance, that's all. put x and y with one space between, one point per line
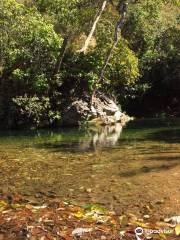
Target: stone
93 111
102 110
75 113
118 116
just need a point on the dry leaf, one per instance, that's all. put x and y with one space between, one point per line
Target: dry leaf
177 230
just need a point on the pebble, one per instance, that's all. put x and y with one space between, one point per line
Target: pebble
89 190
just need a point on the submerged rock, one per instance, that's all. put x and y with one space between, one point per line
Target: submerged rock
102 110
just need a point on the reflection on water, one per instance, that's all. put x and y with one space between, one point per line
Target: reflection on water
87 140
124 170
106 136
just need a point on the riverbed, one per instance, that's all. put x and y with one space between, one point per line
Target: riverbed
131 170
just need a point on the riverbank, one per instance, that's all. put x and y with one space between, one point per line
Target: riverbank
20 219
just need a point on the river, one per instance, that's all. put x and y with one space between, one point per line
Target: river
135 169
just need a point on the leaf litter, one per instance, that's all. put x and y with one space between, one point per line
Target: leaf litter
58 220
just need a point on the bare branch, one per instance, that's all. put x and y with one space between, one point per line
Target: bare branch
98 16
119 25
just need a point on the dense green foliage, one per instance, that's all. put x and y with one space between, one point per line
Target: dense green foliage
144 67
29 47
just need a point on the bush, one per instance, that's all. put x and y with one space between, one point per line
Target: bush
29 49
36 110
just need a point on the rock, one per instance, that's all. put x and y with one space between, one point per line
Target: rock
118 116
93 111
100 111
75 113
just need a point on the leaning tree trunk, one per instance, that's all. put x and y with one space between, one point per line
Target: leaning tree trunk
119 25
57 68
61 56
88 40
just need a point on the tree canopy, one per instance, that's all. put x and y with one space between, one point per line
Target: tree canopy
41 62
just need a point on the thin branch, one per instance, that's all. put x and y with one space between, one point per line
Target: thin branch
119 25
61 55
88 39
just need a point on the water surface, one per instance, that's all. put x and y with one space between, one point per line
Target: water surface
135 169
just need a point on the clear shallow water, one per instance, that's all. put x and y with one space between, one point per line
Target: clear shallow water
134 169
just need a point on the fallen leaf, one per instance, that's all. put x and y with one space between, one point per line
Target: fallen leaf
141 224
175 219
81 231
79 214
177 230
28 206
162 236
15 206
